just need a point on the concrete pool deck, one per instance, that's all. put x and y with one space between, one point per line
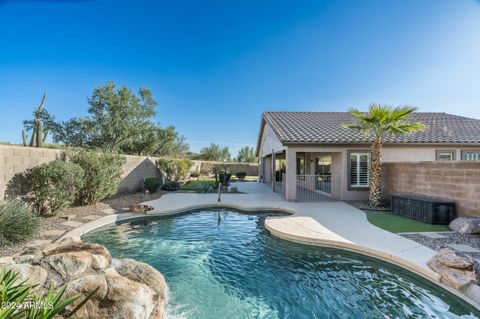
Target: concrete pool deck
330 224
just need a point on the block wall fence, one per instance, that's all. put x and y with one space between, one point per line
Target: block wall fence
250 169
16 159
457 180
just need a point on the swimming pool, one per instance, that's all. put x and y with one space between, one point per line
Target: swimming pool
222 263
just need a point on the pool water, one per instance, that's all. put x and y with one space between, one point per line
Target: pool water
221 263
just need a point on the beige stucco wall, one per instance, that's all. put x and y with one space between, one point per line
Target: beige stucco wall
269 142
339 170
266 170
17 159
250 168
135 171
420 153
340 159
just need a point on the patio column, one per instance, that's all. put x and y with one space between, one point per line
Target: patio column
291 174
261 169
273 171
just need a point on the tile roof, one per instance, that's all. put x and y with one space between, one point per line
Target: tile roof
326 128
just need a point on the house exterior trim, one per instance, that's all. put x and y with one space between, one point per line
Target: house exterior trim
349 167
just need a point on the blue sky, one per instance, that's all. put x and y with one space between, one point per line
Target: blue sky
215 66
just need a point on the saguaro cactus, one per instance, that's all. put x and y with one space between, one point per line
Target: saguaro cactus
38 136
24 138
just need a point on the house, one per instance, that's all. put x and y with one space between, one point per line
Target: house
310 156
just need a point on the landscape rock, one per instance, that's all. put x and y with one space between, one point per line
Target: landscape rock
28 259
34 275
99 262
111 272
128 299
88 283
69 240
137 208
69 265
127 289
81 246
456 277
67 217
144 273
48 248
6 260
449 258
141 272
465 225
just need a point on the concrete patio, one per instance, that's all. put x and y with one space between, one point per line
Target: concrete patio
330 224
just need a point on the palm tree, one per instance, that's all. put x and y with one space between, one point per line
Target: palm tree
381 121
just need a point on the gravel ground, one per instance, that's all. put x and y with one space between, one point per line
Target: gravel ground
118 203
364 205
451 238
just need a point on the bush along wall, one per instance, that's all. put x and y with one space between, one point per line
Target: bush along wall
152 184
52 187
241 175
103 174
174 169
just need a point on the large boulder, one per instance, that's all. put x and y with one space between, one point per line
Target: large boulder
465 225
81 246
117 297
6 260
68 265
146 274
449 258
141 272
34 275
129 299
126 289
456 271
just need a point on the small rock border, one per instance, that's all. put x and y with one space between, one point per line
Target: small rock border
364 205
451 238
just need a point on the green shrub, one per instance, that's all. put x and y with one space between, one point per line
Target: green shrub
103 174
52 187
171 186
224 178
241 175
152 184
194 174
174 169
207 187
17 293
206 168
17 222
166 167
183 166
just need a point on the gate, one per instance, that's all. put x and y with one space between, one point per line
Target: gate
312 188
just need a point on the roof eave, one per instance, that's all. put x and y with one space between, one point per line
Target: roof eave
287 143
260 134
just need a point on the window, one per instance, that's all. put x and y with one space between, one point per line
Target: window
359 169
323 165
280 166
300 163
471 155
445 155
